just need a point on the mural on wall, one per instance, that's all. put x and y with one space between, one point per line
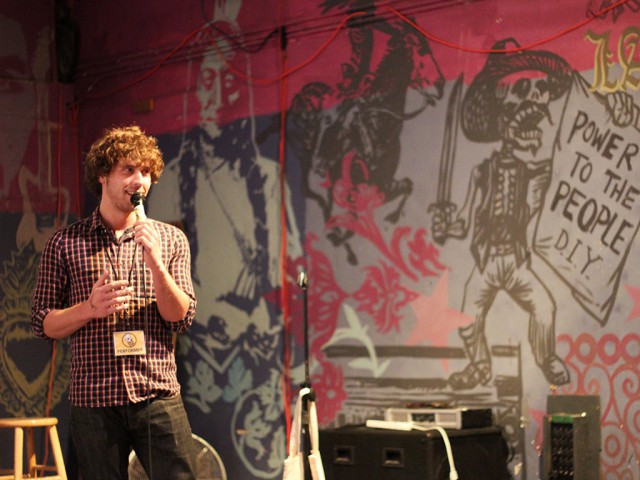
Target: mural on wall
467 220
226 193
355 125
541 195
27 194
414 298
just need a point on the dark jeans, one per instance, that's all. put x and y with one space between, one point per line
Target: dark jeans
103 439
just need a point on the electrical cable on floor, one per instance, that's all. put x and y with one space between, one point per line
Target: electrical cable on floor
453 473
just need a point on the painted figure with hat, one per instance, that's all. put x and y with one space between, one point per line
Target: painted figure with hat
507 102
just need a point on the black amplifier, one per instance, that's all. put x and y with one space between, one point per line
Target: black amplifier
357 451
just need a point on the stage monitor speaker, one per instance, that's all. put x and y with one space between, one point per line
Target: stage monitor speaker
360 452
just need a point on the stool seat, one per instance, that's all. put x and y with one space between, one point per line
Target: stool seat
26 425
28 422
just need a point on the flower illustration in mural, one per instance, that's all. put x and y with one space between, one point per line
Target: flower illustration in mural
424 255
382 296
363 223
201 386
356 331
329 385
325 298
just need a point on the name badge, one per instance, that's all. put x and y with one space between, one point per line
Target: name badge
129 343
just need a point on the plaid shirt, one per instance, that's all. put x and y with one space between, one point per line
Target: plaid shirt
72 261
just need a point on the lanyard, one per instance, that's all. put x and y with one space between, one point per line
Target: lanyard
124 315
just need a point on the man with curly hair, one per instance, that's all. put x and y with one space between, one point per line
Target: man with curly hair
119 286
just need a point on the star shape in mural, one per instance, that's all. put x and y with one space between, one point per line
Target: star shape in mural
435 319
634 293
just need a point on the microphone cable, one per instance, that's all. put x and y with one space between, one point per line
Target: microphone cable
137 200
147 340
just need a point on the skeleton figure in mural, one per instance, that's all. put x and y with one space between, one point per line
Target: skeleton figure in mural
349 135
507 102
227 194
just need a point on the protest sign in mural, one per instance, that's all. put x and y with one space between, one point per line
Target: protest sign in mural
590 217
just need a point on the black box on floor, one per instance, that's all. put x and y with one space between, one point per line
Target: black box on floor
360 452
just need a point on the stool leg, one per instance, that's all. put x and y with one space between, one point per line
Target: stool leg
31 452
57 452
17 453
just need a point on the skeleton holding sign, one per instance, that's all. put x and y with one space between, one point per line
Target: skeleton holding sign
507 102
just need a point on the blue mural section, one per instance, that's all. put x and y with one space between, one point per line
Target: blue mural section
227 201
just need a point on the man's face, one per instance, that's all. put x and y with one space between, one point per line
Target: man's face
17 98
125 179
524 104
218 90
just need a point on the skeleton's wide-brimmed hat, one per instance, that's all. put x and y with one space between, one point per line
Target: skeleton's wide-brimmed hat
480 106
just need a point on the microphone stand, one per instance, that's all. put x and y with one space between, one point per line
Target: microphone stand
310 397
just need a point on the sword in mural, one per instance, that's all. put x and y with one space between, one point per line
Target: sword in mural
443 206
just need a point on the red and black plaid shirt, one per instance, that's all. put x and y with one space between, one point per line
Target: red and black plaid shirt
72 261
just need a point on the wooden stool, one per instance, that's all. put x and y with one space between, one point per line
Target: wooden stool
20 425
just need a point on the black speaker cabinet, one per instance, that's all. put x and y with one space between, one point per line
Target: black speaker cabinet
357 452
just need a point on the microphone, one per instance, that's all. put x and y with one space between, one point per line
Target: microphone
137 200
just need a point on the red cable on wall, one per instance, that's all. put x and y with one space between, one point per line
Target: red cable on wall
506 50
148 73
325 45
332 37
284 291
286 73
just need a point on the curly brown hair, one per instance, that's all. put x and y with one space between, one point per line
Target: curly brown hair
118 143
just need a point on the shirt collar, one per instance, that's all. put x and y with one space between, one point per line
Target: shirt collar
96 223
